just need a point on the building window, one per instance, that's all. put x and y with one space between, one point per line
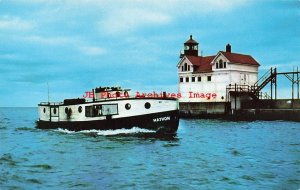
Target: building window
185 67
193 79
181 79
220 63
208 78
199 79
187 79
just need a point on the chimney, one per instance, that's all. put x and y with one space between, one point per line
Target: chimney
228 48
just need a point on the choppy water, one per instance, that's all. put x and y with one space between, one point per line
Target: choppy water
205 154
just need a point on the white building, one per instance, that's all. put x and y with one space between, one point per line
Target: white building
205 78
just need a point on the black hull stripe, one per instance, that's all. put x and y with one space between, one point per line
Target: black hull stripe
164 122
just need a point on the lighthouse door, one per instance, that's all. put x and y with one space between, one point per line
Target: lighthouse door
54 113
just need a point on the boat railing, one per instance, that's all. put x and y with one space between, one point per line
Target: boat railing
51 103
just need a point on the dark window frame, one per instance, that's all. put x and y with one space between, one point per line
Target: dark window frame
209 78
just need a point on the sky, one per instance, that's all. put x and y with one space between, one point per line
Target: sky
73 46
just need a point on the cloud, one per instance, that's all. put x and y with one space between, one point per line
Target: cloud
282 67
125 20
6 56
15 23
81 44
122 17
48 40
92 50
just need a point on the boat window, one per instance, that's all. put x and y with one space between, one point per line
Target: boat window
109 109
79 109
147 105
93 111
54 110
44 110
127 106
101 110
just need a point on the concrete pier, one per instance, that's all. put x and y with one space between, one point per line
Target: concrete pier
202 109
282 109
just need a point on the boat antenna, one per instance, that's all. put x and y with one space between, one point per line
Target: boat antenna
48 92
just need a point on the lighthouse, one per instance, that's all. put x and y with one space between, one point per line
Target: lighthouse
203 79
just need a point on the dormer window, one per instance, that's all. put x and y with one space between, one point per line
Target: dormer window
185 67
220 64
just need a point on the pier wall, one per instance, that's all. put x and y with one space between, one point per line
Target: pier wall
283 109
202 109
272 104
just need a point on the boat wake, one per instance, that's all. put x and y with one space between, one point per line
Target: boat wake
134 130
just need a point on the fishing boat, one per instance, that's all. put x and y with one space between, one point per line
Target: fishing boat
111 108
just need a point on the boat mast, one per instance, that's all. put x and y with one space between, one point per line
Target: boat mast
48 92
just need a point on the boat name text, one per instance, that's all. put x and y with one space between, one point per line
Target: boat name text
168 118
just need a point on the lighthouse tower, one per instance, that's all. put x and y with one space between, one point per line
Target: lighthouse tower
190 48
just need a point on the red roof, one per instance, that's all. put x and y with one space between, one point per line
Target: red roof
191 41
201 64
240 58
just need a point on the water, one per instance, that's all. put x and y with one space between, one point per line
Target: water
205 154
